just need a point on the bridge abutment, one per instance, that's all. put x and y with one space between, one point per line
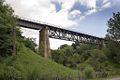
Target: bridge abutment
44 44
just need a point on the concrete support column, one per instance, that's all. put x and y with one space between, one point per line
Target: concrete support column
44 45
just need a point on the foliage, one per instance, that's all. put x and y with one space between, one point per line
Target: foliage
65 55
113 34
87 58
72 55
28 65
10 73
114 27
90 59
114 51
7 22
89 72
30 43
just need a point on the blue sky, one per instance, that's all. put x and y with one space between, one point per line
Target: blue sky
96 23
85 16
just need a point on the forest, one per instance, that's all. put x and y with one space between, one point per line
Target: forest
78 61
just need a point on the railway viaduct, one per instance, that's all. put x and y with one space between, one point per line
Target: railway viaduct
47 31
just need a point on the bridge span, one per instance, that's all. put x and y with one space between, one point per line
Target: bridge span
47 31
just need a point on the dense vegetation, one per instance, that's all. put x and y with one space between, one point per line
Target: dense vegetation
7 22
26 65
114 27
88 61
91 59
7 25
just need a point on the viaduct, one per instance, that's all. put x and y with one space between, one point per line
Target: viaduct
47 31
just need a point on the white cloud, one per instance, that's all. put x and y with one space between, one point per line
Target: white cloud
75 14
87 13
105 1
44 10
88 3
31 3
68 4
91 11
105 6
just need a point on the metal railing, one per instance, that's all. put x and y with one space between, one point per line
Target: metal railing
45 23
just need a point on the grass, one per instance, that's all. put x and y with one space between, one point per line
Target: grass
27 65
30 66
108 78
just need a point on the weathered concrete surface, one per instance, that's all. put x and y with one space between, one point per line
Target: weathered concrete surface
44 45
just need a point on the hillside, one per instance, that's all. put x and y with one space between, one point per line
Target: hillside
30 66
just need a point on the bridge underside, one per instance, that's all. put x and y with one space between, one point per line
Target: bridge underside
47 31
73 36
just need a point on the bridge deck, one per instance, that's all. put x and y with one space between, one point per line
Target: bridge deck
60 33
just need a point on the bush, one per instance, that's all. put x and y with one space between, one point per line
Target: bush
30 43
89 72
7 22
82 66
10 73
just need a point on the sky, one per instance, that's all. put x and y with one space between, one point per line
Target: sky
84 16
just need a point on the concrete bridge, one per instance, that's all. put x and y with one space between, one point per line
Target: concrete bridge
47 31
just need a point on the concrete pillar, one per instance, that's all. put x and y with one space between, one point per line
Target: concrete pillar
44 45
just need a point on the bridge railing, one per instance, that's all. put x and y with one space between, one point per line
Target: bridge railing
44 23
31 20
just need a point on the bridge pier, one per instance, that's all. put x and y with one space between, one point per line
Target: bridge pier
44 45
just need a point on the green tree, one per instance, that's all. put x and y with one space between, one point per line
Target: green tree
30 43
96 58
113 31
63 46
113 51
64 55
59 56
113 34
7 22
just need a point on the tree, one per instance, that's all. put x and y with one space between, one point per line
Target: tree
113 34
97 59
63 46
7 22
30 43
58 56
113 51
113 31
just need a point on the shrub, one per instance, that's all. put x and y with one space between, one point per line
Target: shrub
10 73
89 72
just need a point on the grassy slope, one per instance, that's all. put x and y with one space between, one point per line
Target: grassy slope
28 64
